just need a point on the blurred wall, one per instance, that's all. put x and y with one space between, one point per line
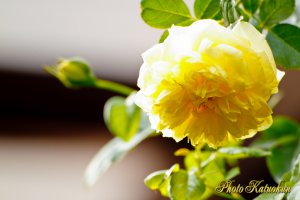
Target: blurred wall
109 34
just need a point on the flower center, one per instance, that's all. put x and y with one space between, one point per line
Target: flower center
203 104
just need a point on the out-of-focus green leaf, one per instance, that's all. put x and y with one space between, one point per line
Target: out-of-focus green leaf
282 138
284 40
295 180
122 117
214 172
289 180
219 16
295 192
211 157
164 188
192 160
111 153
164 13
243 13
242 152
186 186
160 180
274 11
114 113
251 5
164 36
281 160
207 9
196 187
281 128
155 179
174 168
292 179
295 175
232 173
178 185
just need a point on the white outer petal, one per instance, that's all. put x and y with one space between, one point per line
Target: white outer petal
256 39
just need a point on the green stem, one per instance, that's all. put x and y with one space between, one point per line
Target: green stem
113 86
250 15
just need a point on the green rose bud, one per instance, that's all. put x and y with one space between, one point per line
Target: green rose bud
229 12
73 72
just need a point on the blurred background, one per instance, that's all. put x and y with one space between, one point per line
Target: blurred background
48 133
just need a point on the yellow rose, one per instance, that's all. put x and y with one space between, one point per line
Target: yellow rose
209 83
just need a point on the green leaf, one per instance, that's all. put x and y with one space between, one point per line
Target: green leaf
196 187
155 179
232 173
214 172
241 152
251 5
122 117
164 36
186 186
295 181
174 168
164 188
164 13
284 40
281 160
295 192
160 180
111 153
290 183
178 185
282 138
274 11
206 9
192 160
282 131
295 175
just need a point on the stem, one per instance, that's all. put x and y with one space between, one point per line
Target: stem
250 15
113 86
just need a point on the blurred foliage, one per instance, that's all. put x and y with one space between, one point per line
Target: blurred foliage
122 116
